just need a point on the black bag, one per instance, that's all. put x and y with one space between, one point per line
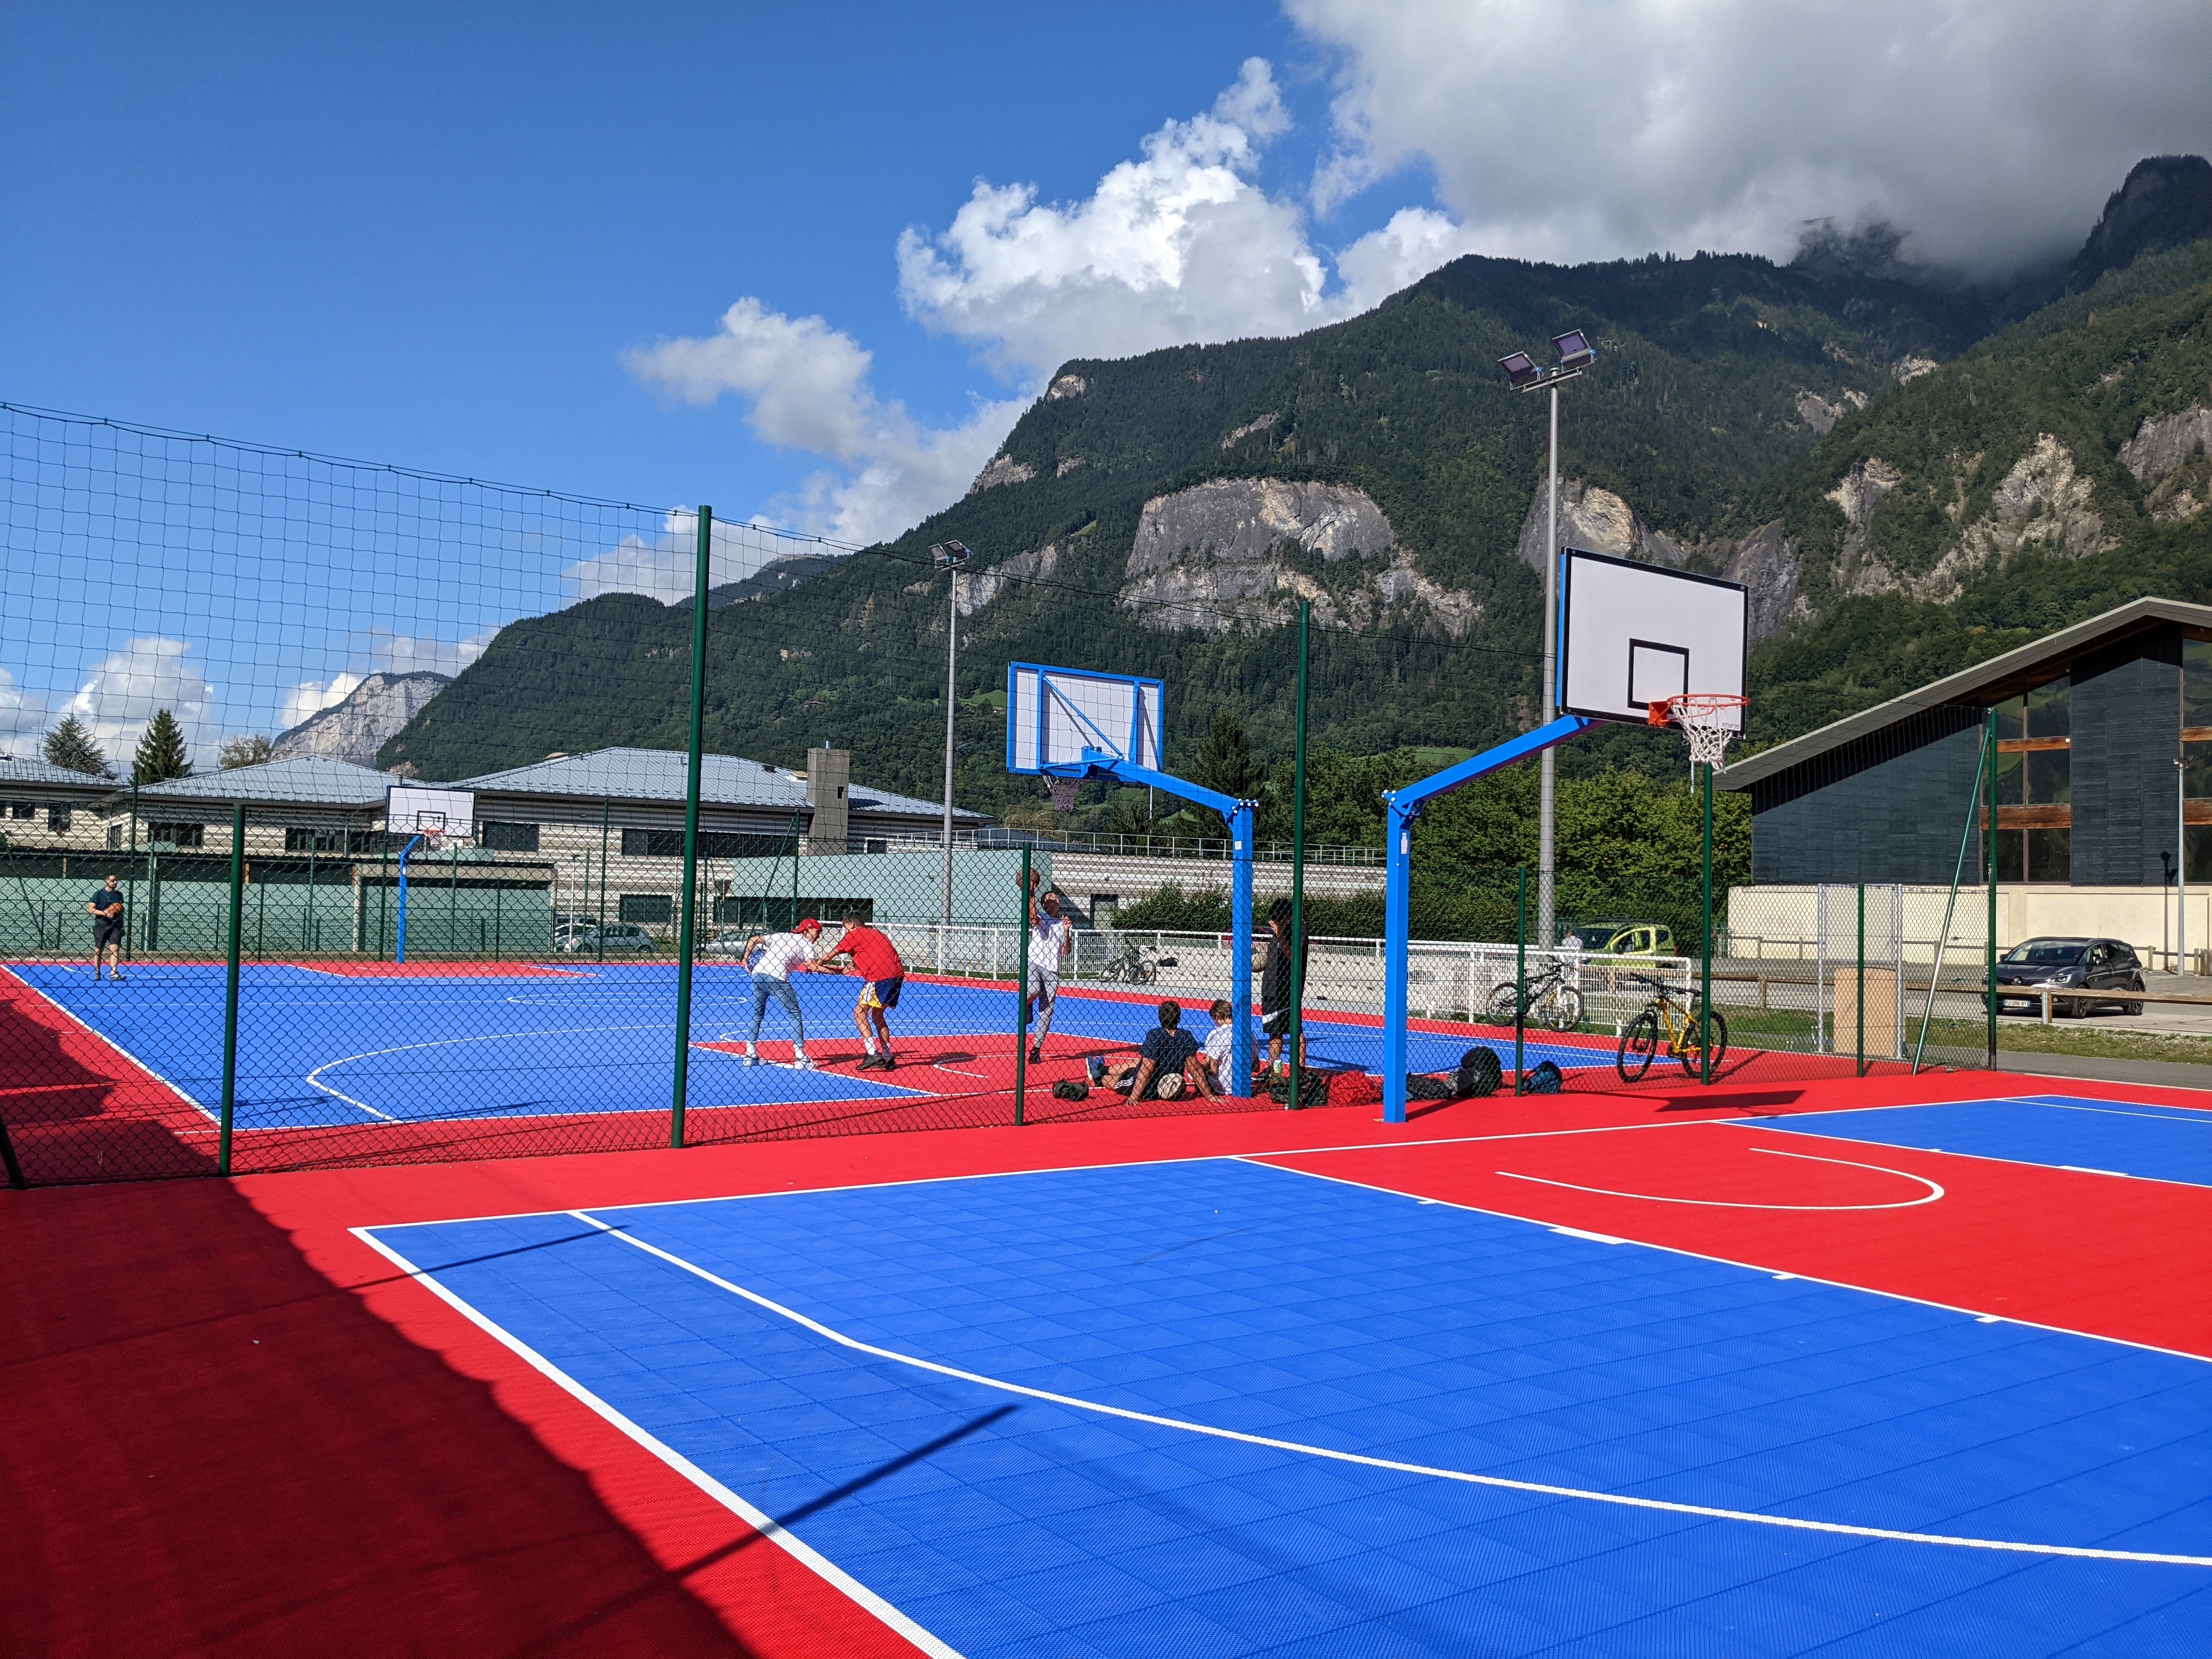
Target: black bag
1542 1078
1313 1089
1071 1088
1480 1074
1419 1085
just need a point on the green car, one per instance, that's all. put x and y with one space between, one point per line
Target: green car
1623 938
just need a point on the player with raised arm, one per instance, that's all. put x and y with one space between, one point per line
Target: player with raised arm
881 972
1051 937
782 955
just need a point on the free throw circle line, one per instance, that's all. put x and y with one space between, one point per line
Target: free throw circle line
314 1079
1933 1191
1541 1488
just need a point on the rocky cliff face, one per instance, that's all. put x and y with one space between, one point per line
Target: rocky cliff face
2173 457
370 717
1237 555
2166 201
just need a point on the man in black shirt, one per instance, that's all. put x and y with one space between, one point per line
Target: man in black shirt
106 908
1275 986
1167 1051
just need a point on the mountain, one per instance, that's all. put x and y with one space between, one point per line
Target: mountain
1161 514
2166 202
776 576
370 716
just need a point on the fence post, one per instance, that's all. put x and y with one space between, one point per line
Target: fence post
1858 1064
1021 991
1706 990
1990 869
230 989
600 933
1297 1031
1520 988
684 934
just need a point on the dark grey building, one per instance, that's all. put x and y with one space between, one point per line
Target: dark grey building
2091 722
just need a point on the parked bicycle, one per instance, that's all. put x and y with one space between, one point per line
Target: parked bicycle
1668 1023
1134 965
1550 1001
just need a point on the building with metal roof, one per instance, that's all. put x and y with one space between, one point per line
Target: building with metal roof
2104 767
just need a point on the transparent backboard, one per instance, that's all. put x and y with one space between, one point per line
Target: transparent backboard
1060 717
1632 633
411 810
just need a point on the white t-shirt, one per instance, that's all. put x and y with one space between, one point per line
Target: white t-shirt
1218 1042
780 953
1047 941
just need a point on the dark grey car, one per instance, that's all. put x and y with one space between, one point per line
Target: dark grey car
2067 964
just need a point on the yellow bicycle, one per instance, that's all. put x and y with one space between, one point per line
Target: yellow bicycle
1666 1024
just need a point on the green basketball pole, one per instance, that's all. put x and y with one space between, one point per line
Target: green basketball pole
230 989
684 934
1858 1063
1021 994
1990 869
1521 990
1297 1031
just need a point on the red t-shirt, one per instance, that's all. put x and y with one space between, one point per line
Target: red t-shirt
874 957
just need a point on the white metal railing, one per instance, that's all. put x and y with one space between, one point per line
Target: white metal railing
1148 847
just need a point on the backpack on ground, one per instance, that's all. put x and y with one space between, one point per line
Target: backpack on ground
1479 1074
1071 1088
1542 1078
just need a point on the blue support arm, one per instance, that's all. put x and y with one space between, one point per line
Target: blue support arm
400 953
1400 808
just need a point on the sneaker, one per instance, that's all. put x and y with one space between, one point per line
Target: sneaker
873 1063
1096 1068
802 1064
750 1058
1036 1053
890 1063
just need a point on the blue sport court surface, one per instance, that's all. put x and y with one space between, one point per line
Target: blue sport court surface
319 1048
1218 1408
2067 1132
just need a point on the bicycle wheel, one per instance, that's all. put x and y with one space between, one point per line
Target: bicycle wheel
1637 1044
1503 1002
1564 1011
1689 1054
1143 974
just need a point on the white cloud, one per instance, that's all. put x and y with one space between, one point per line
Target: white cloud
127 686
1577 130
807 384
24 717
310 697
385 652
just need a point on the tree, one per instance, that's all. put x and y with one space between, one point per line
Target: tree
244 751
1225 761
70 745
161 751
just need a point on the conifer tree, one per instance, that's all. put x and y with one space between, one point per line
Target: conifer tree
161 751
70 744
244 751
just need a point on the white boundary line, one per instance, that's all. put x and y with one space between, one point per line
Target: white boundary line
1540 1488
1260 1159
1935 1192
764 1524
1985 1157
91 1029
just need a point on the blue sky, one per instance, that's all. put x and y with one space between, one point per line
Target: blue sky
808 264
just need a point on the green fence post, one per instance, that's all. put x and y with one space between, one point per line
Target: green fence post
1706 952
1297 1024
230 989
606 807
1858 1064
685 929
1990 870
1520 986
1022 993
129 916
8 1156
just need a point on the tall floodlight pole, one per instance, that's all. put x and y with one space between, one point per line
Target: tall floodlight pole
950 557
1576 355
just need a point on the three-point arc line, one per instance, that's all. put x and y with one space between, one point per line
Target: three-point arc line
1933 1193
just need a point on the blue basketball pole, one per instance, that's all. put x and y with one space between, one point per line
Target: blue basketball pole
1401 807
399 939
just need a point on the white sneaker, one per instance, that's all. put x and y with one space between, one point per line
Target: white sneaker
803 1064
751 1059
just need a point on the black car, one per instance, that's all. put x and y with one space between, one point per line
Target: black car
2068 964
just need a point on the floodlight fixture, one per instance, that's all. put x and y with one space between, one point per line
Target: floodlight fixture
948 555
1574 350
1521 369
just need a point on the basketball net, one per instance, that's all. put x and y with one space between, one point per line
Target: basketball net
1063 791
1707 719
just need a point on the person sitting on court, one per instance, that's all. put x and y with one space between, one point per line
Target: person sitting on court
1163 1067
881 972
1219 1057
782 955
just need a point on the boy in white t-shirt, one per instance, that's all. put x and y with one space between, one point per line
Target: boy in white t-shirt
1220 1054
1050 935
782 955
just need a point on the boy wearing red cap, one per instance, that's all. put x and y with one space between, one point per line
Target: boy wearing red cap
782 955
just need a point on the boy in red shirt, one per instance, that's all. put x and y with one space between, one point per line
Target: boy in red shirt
881 974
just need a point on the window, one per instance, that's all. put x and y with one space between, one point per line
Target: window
168 836
1105 909
514 838
2035 785
57 820
713 844
654 908
370 842
21 809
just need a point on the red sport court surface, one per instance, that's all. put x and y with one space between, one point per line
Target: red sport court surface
1896 1366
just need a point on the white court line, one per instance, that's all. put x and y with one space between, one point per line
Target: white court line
1983 1158
1540 1488
761 1522
1934 1191
314 1078
1259 1160
93 1031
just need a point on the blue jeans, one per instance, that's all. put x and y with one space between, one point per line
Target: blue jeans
765 987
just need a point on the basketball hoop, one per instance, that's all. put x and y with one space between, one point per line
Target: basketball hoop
1710 719
1062 790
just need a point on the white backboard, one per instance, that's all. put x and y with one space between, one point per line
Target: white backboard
1632 633
1055 714
410 810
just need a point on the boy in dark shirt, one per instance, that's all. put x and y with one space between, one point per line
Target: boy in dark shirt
1275 986
1167 1051
106 908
